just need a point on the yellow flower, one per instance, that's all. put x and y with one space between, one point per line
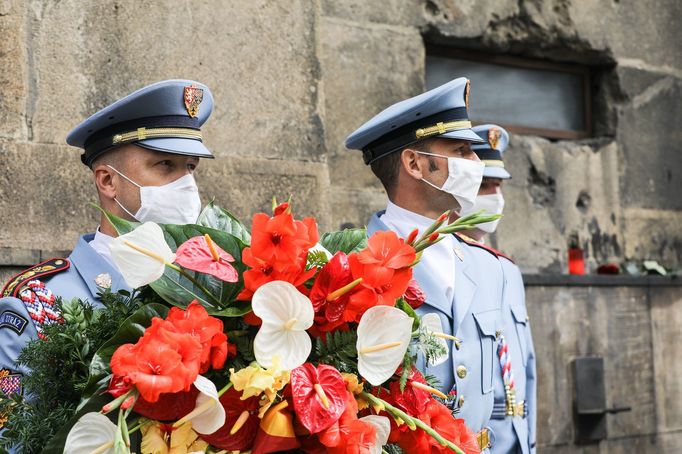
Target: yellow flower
354 386
181 440
254 381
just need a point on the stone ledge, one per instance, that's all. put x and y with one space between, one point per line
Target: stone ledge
600 280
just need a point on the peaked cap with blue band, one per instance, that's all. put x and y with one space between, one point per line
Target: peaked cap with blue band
490 152
166 116
441 112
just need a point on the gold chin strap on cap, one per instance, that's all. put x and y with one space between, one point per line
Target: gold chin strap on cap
155 133
441 128
493 163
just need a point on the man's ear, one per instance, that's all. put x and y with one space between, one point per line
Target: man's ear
411 164
104 177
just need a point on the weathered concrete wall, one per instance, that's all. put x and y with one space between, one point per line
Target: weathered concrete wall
292 79
634 326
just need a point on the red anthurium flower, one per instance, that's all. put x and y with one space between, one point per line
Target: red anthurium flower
319 396
203 255
412 400
208 330
333 276
349 434
241 423
414 295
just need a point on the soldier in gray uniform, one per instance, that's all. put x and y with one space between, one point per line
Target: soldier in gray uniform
420 149
142 151
513 419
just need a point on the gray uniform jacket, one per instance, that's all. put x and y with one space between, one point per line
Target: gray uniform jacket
516 433
473 317
24 306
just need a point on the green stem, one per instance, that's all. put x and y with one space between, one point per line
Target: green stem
411 422
195 282
225 388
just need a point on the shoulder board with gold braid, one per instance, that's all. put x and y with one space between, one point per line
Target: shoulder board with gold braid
47 268
472 242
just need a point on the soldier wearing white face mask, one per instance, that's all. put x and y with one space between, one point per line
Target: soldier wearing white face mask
142 150
513 419
421 150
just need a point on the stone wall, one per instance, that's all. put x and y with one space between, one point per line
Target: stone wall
634 325
292 79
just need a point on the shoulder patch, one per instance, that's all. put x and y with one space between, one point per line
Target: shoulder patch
10 383
471 242
11 320
47 268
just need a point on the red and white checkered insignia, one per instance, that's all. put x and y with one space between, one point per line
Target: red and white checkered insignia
193 96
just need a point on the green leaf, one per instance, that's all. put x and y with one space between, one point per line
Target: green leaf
122 226
128 333
218 218
405 307
349 240
180 291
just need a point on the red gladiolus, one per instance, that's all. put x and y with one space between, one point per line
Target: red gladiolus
441 420
262 272
278 251
208 330
157 366
349 434
282 239
333 276
414 295
319 396
385 269
242 439
380 286
411 400
387 250
203 255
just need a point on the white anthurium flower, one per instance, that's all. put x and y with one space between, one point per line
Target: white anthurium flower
383 427
91 433
432 323
384 334
286 314
209 414
142 254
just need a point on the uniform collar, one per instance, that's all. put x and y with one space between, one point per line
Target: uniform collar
398 215
100 243
90 265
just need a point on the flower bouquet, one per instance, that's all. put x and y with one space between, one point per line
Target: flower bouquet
268 341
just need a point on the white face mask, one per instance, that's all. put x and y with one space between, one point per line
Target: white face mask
491 204
177 202
464 179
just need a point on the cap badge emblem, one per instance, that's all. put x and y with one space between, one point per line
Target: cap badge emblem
193 96
494 135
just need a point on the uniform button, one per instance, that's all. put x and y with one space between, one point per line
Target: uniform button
461 400
461 371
